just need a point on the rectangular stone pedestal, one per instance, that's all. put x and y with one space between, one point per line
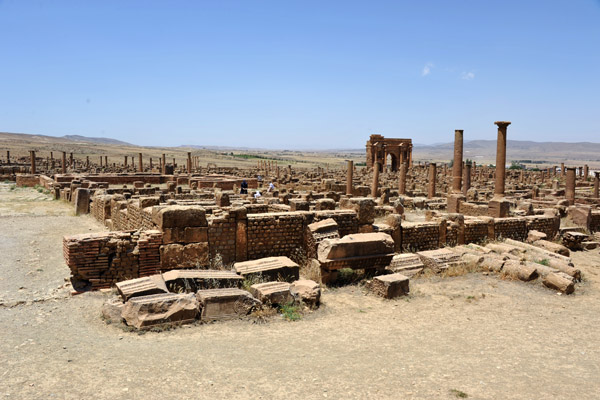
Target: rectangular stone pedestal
498 208
454 201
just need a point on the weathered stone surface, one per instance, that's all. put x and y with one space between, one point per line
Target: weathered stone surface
145 286
112 309
192 280
439 260
364 207
82 201
307 291
177 216
390 286
192 255
323 226
272 292
408 264
185 235
274 268
356 245
516 270
229 303
553 247
560 282
325 204
533 236
159 309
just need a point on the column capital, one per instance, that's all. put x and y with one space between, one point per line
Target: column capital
502 124
461 130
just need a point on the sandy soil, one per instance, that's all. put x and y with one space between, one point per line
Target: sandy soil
474 334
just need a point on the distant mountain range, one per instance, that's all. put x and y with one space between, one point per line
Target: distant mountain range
481 151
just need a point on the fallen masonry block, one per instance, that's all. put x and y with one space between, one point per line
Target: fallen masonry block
553 247
590 245
308 291
573 240
390 286
408 264
269 268
218 304
160 309
356 251
559 282
516 270
177 216
112 310
145 286
493 263
192 280
439 260
272 292
504 248
533 236
474 259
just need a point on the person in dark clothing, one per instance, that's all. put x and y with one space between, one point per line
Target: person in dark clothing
244 187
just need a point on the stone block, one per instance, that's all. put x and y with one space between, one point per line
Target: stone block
82 201
309 292
174 256
390 286
218 304
299 205
160 309
274 268
177 216
192 280
272 292
145 286
356 245
454 201
364 207
498 208
325 204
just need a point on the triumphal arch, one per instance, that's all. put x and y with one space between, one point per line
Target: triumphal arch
398 150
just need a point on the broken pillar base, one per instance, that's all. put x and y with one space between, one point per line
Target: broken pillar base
498 208
454 201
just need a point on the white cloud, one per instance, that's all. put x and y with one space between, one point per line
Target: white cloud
427 69
467 76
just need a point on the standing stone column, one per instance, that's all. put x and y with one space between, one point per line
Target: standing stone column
8 157
64 162
106 161
570 188
150 164
32 157
457 163
349 173
500 158
375 185
466 179
164 164
432 178
586 172
87 162
562 169
596 185
125 158
140 163
71 164
402 180
189 163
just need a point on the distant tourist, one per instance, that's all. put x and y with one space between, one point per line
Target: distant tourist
244 187
271 187
257 194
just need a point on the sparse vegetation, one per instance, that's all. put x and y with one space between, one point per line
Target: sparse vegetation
458 393
291 311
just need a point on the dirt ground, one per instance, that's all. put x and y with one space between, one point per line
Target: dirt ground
473 335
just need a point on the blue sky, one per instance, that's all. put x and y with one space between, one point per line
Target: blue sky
300 74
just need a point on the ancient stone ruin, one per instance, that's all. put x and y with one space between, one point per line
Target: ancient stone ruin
184 243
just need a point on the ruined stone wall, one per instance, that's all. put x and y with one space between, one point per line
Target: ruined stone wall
274 234
546 224
510 228
222 237
100 207
476 231
420 236
27 180
100 260
473 209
